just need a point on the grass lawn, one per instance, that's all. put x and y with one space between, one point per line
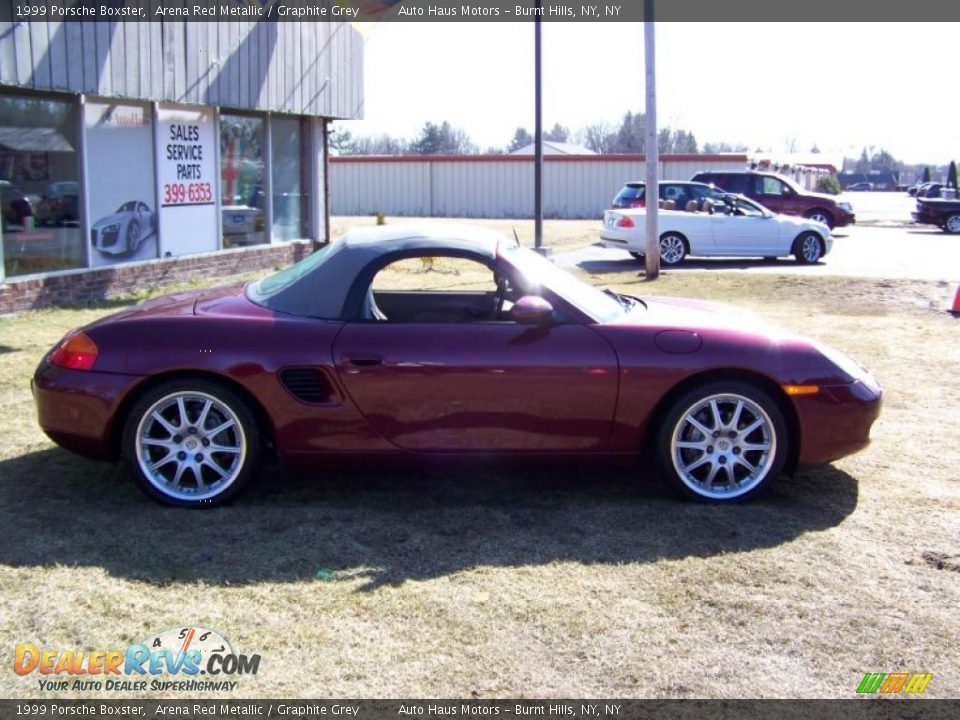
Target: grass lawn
541 581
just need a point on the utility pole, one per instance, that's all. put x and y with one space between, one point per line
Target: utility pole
652 192
537 134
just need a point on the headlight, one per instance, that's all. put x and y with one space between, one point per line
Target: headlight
845 206
846 364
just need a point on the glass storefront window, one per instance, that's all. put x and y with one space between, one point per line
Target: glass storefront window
242 180
39 185
288 154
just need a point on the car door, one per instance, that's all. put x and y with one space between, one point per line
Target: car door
748 231
772 194
481 384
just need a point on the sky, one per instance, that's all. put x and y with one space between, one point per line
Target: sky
841 86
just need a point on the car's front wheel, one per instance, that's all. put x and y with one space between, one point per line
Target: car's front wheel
723 441
821 216
808 248
673 248
191 443
952 225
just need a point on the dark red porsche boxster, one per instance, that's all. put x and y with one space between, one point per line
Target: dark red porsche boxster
193 389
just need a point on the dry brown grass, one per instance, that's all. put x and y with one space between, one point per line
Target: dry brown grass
538 581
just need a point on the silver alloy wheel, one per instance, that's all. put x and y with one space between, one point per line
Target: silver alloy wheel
190 446
723 446
672 249
820 218
953 224
810 248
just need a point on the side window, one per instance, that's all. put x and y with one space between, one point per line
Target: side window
435 274
769 186
732 183
434 289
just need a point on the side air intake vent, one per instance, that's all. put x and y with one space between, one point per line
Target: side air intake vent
307 384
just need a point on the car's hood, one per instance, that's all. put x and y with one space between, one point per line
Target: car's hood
114 219
695 315
801 223
829 200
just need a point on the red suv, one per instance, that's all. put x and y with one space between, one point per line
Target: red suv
781 195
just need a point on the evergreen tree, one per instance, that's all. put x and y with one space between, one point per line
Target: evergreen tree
952 175
521 138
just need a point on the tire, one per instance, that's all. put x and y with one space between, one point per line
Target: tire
133 236
164 454
698 464
952 225
820 215
637 256
673 248
808 248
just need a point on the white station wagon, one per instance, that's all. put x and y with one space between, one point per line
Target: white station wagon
735 227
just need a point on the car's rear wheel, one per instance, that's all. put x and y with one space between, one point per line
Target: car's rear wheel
673 248
808 248
821 216
721 442
952 225
191 443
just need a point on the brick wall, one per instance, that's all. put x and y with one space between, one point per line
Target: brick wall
83 286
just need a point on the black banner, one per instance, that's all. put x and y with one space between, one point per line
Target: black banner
458 11
865 709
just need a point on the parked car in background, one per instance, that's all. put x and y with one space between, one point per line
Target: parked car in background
60 204
736 226
318 360
912 190
930 190
680 192
945 214
15 207
781 195
860 187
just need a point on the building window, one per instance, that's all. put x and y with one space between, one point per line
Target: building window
290 186
242 179
39 185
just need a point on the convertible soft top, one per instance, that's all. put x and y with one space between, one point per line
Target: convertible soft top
319 285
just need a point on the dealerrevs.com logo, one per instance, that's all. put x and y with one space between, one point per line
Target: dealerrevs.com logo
188 659
894 683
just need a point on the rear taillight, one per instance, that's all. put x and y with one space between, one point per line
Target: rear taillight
624 221
76 352
638 203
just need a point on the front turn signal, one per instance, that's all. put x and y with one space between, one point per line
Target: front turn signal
801 389
76 352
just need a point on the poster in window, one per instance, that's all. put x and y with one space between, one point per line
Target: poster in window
186 180
123 216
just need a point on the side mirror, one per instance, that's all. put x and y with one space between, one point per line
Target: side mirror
532 310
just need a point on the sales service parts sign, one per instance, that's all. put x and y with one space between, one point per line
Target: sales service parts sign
186 179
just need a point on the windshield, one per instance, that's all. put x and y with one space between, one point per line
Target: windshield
537 271
749 208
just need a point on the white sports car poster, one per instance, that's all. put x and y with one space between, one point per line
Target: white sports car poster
123 219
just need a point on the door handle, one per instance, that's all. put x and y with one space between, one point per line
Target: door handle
361 360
